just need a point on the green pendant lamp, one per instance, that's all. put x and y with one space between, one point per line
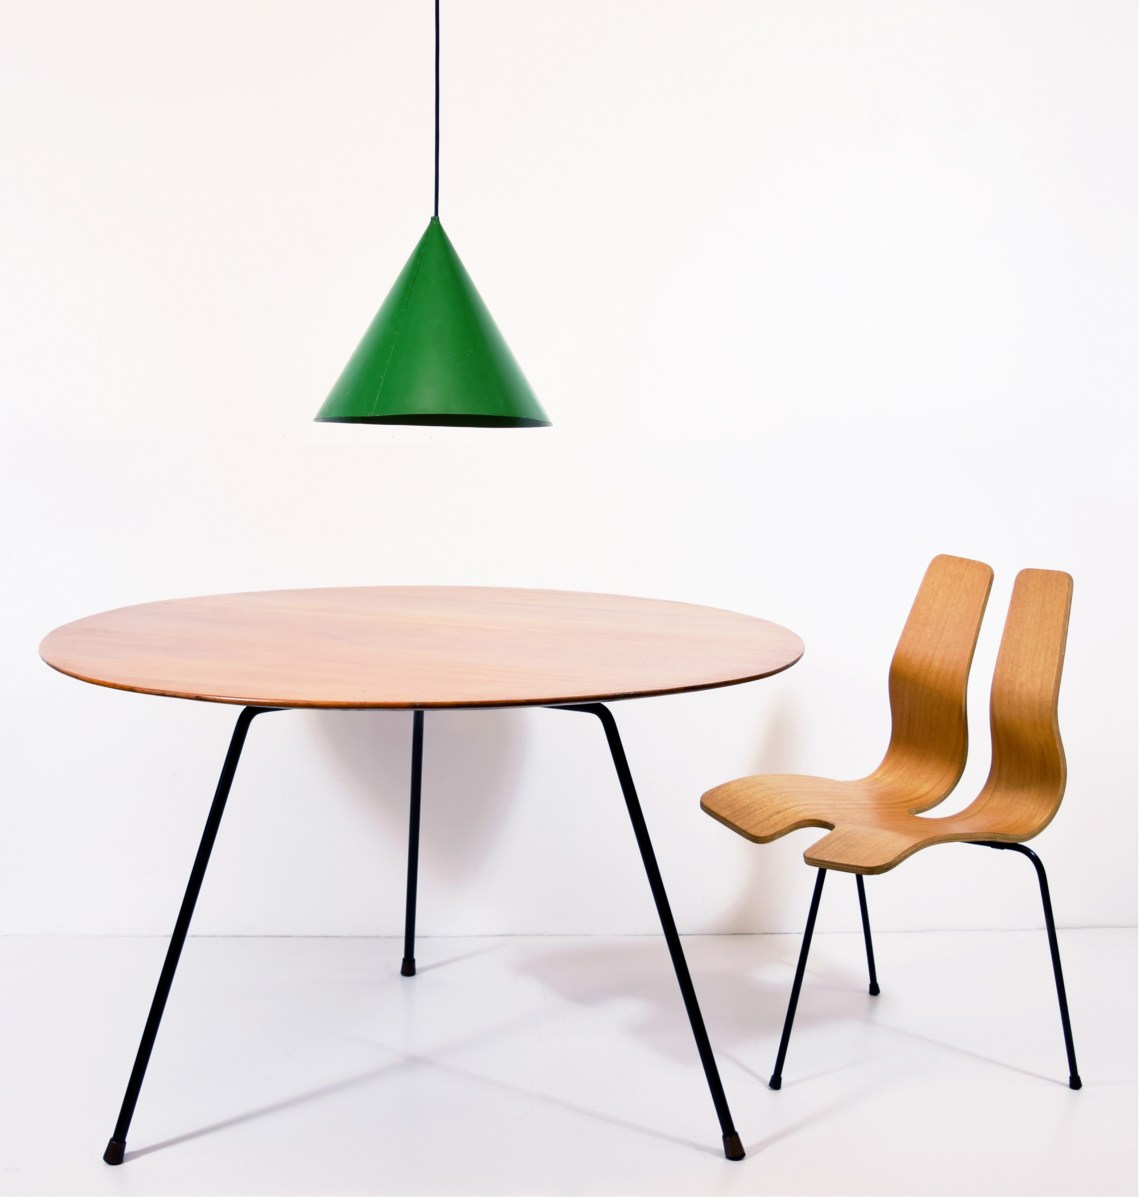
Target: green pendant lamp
433 354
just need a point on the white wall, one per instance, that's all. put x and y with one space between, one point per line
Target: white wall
812 291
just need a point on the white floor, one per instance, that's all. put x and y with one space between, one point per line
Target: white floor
543 1065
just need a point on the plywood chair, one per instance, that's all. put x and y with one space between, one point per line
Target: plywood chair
873 830
929 678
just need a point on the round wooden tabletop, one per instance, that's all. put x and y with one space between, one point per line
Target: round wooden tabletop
417 647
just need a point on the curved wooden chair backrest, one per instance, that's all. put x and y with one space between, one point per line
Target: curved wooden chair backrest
1028 774
929 678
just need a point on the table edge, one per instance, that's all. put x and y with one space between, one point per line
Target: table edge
553 701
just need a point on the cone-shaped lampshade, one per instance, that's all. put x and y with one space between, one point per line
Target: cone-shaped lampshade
433 355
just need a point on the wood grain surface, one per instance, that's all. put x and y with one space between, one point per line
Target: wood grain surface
929 677
417 647
877 821
1028 774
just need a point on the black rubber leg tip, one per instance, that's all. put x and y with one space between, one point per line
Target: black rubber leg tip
115 1152
1074 1082
875 989
408 967
733 1147
776 1082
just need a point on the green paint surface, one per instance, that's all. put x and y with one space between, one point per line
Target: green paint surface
433 354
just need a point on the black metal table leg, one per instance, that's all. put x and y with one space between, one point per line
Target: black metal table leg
733 1147
116 1146
407 969
874 988
1054 946
777 1074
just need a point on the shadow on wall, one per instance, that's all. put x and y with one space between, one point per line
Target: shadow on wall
778 741
471 764
750 907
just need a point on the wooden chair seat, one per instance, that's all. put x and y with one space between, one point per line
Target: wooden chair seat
872 828
765 807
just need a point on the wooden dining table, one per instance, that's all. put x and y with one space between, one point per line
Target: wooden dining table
419 649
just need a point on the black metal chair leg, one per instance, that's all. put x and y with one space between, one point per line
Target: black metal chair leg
733 1147
777 1075
407 969
116 1146
874 988
1053 945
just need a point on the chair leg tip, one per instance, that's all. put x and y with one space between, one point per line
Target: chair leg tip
733 1147
776 1082
875 989
408 967
115 1152
1074 1082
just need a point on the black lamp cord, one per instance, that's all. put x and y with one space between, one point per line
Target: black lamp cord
436 109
